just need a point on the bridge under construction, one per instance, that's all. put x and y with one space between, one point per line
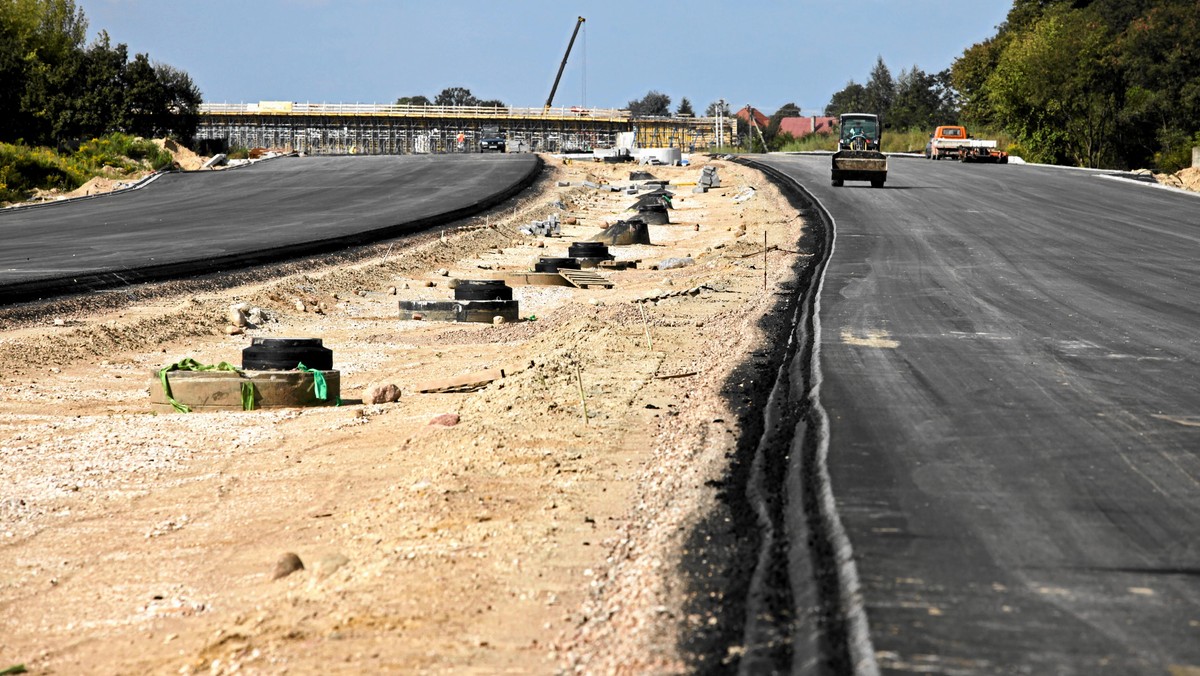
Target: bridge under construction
383 129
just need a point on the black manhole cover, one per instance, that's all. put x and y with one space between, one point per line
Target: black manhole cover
588 250
482 289
283 354
553 264
654 214
482 311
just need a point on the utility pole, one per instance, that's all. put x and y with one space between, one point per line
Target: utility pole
720 123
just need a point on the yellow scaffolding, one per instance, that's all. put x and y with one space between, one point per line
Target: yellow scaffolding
379 129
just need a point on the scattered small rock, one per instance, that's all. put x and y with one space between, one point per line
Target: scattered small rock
326 565
286 565
443 272
232 330
391 290
445 420
237 314
381 393
257 317
497 320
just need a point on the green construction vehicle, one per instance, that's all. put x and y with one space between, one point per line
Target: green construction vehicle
858 157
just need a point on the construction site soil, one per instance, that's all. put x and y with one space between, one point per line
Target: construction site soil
573 516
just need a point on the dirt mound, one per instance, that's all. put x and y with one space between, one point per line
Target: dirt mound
1188 179
184 157
99 184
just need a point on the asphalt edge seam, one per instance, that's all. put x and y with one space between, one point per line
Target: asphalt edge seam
815 428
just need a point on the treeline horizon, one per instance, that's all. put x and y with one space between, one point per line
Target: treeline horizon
60 91
1090 83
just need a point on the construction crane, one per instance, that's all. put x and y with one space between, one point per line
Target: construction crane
550 99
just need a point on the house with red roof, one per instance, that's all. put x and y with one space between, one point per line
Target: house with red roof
799 127
748 113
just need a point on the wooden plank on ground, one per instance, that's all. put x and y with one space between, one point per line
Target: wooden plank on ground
464 383
585 278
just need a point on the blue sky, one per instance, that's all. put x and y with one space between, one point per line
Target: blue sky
374 51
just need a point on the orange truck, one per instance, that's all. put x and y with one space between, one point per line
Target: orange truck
953 141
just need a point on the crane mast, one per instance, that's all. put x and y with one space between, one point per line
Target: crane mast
550 99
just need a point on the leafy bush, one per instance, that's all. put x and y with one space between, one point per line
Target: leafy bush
1176 153
122 152
24 170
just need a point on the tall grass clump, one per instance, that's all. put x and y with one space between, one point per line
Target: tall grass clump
123 153
24 169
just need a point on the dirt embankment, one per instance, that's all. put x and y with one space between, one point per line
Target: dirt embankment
1188 179
543 532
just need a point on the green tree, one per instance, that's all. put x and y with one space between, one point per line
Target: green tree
49 35
685 108
417 100
969 75
54 91
771 133
455 96
1055 88
717 106
880 90
1160 60
922 101
161 100
653 104
181 115
851 99
102 104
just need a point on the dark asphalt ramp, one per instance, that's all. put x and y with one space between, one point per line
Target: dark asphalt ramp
1010 359
189 223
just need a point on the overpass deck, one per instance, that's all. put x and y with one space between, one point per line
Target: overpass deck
388 129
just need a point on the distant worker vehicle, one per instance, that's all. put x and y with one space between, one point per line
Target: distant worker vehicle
858 157
953 141
493 143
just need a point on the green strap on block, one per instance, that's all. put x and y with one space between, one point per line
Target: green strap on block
189 364
319 386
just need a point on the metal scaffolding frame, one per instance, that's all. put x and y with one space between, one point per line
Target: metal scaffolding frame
375 129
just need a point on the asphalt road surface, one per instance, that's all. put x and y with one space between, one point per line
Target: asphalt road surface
1010 371
189 223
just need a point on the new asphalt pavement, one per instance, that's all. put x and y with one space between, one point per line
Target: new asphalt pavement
1010 362
189 223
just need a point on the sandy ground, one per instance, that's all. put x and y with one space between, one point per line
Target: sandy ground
527 538
1188 179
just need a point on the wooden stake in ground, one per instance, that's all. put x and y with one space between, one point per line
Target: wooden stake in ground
646 326
582 400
